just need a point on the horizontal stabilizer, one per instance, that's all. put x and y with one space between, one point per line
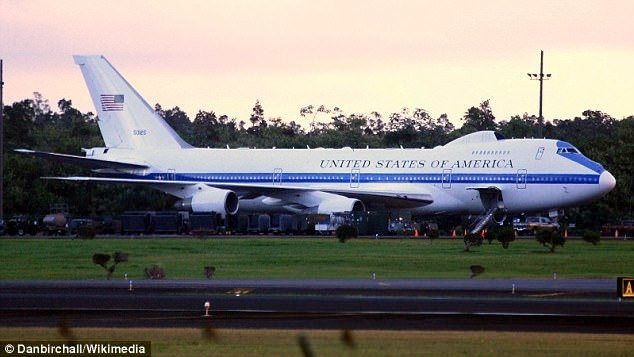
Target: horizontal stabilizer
82 161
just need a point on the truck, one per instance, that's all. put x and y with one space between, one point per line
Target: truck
531 225
151 222
56 222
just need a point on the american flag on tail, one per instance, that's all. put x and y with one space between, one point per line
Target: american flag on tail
111 102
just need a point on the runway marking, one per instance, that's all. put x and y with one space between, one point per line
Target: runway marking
548 295
239 291
562 293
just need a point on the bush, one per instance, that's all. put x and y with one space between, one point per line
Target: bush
346 232
209 272
505 236
154 272
591 237
103 259
476 270
472 240
550 239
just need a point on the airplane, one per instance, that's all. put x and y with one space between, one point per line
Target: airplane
481 173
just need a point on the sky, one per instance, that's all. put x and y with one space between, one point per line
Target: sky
358 55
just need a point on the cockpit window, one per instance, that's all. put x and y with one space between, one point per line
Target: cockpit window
569 150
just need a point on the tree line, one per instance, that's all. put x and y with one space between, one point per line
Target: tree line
31 123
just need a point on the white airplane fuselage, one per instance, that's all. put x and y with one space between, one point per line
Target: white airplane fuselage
530 173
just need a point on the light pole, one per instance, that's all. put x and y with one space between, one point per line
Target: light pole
541 77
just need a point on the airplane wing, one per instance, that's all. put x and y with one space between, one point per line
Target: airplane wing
388 198
82 160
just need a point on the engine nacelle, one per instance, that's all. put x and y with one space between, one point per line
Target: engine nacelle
340 204
210 199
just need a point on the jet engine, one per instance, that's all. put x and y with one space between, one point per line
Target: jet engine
340 204
210 199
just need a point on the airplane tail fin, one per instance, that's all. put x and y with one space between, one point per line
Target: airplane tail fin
126 120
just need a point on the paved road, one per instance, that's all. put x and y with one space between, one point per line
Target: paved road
536 305
602 288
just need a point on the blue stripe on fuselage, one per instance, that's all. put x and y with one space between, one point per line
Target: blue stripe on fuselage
316 178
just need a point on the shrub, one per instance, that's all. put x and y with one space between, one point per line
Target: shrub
345 232
103 259
154 272
591 237
209 272
476 270
550 239
505 236
472 240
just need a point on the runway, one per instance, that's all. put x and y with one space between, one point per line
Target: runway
586 305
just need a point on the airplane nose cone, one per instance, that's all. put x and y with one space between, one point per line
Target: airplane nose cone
606 182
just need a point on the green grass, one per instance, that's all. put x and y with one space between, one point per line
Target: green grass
189 342
263 258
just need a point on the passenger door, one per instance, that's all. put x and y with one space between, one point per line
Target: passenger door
521 178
